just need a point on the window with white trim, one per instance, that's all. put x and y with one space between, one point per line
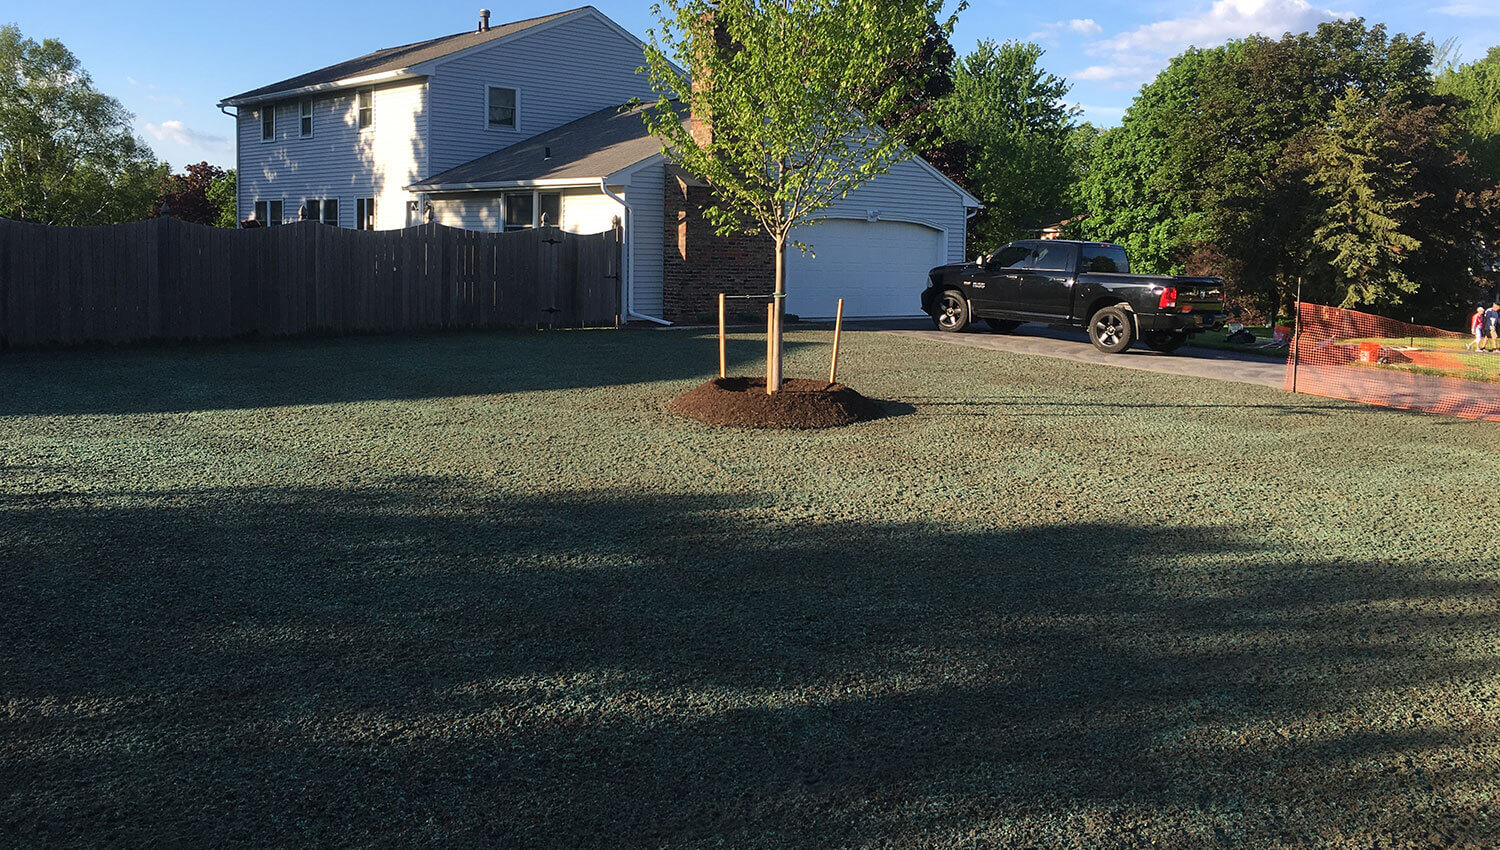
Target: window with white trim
502 107
268 122
305 124
325 210
525 210
268 213
366 108
364 213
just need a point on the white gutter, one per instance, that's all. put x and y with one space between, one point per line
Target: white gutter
347 82
628 268
548 183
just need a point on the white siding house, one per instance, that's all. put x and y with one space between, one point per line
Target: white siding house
523 123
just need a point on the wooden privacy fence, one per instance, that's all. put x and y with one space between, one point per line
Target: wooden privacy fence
165 279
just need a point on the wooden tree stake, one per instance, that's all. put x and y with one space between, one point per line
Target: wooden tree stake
723 360
838 327
770 346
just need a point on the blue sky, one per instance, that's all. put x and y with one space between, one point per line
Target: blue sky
169 62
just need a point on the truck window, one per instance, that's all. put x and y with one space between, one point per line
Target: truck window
1109 259
1014 257
1050 258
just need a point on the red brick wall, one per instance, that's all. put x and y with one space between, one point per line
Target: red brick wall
699 264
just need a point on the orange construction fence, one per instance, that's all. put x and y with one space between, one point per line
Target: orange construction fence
1360 357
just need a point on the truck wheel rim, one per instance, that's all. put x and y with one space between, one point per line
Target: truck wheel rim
1107 328
949 307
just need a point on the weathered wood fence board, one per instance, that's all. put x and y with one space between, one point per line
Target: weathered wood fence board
165 279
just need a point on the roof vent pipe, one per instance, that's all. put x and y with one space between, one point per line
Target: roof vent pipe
484 20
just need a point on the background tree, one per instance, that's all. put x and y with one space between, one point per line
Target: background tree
1011 116
1476 90
188 196
67 152
792 93
1212 162
1364 189
925 80
223 194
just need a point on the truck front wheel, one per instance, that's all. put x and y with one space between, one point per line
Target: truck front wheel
950 311
1112 329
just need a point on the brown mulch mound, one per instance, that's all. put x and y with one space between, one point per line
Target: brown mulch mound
800 404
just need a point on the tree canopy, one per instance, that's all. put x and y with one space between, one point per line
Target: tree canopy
793 96
1475 88
203 193
67 151
1274 161
1010 116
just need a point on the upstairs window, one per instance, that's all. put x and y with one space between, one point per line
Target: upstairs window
364 213
306 123
502 107
366 109
268 122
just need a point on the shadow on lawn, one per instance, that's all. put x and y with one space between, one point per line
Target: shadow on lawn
430 663
273 373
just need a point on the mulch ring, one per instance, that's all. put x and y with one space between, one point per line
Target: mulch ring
800 404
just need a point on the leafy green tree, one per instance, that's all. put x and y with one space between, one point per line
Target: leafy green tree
792 103
1213 158
67 152
1359 236
223 194
926 79
1476 87
1011 115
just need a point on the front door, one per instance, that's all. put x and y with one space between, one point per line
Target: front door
1047 282
996 286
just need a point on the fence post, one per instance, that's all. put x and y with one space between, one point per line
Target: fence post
723 359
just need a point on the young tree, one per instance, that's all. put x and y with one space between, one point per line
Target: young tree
1011 115
792 96
67 153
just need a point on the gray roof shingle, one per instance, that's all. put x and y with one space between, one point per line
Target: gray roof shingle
594 146
396 58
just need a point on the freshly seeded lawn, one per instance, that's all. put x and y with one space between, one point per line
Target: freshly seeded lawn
485 590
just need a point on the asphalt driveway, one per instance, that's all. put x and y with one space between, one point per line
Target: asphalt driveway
1047 341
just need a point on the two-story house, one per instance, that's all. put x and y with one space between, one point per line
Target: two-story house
509 126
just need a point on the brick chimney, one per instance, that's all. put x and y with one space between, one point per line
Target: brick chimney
700 123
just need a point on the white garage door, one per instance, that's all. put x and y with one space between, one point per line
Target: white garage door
879 268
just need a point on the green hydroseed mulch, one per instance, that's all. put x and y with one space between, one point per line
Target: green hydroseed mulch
485 590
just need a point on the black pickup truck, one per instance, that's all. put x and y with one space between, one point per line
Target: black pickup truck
1083 284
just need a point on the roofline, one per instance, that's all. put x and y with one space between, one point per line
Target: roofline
347 82
546 183
970 200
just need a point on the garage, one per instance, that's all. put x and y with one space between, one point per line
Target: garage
879 268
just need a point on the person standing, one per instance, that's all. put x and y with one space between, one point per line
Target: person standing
1476 328
1492 326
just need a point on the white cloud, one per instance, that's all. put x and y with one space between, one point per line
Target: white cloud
1134 56
1468 10
1079 26
179 133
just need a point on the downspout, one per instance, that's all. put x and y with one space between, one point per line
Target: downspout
628 267
238 172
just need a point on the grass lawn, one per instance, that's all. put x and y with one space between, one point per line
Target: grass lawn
1474 365
483 590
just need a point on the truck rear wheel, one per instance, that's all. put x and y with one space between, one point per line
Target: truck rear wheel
1164 341
950 311
1112 329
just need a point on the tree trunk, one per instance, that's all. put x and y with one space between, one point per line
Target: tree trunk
775 382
